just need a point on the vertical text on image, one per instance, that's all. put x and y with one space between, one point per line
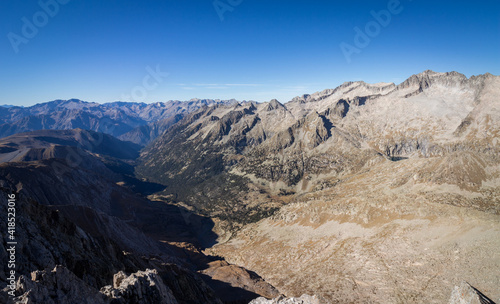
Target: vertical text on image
11 244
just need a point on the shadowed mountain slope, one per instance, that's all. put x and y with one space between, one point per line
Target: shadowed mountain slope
72 174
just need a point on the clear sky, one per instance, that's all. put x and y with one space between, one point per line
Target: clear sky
108 50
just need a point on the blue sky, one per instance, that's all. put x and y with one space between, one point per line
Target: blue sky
106 50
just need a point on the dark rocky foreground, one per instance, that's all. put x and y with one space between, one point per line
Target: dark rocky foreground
84 236
58 262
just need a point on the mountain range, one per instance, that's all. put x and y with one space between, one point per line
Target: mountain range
116 118
374 193
356 194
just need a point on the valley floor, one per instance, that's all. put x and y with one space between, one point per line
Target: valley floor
375 239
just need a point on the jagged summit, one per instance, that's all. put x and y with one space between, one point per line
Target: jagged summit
274 104
418 82
430 72
252 106
427 78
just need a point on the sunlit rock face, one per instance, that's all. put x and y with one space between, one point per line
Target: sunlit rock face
356 194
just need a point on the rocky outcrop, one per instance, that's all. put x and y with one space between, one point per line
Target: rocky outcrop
305 299
61 286
239 277
142 287
466 294
274 105
57 286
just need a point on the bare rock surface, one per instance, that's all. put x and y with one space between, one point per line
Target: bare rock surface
240 277
57 286
61 286
377 237
304 299
466 294
142 287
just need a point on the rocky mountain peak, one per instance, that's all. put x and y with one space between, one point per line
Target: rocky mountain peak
422 81
274 104
252 106
347 84
429 72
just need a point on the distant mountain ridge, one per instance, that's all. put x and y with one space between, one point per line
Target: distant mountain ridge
141 123
116 118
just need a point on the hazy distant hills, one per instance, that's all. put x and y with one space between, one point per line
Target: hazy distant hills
117 118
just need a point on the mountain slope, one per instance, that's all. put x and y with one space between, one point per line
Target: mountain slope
82 262
81 139
281 148
75 176
346 188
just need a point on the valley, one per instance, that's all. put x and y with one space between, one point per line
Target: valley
366 193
